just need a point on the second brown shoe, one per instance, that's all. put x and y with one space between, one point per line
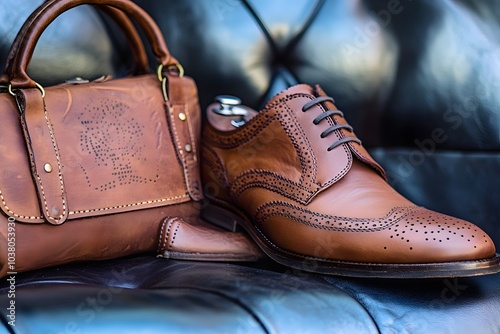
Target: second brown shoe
299 181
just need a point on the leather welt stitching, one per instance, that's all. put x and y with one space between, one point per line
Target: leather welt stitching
61 182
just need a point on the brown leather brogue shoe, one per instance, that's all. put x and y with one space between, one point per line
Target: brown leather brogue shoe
299 181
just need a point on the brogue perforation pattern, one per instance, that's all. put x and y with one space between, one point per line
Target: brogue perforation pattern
411 225
331 222
301 191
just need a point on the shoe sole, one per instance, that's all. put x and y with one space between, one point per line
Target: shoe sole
228 217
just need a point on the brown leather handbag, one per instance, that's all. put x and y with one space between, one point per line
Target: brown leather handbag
90 170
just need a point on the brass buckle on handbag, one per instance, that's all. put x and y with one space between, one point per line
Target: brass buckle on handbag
163 79
40 87
16 97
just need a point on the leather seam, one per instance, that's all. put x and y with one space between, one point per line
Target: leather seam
172 238
313 165
6 207
61 182
179 149
340 135
217 164
265 185
190 130
162 239
131 205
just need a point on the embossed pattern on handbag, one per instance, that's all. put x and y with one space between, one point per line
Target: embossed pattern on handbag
89 170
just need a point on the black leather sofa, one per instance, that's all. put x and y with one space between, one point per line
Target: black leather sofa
418 80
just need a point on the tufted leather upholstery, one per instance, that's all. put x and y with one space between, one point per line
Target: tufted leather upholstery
416 79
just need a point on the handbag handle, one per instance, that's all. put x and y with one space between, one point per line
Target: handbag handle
122 20
45 14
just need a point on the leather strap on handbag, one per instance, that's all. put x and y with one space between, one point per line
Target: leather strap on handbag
42 17
120 18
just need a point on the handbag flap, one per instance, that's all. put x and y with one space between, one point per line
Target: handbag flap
94 149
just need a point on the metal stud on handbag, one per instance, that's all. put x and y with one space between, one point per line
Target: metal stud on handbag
89 170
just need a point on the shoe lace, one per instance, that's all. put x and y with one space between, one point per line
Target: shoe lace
332 128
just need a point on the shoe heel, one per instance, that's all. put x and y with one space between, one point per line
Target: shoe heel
221 217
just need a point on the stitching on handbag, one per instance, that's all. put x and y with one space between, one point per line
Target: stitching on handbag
2 198
179 148
56 151
190 129
130 205
15 214
188 174
58 159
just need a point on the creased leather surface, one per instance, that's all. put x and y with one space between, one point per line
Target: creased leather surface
217 297
452 305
